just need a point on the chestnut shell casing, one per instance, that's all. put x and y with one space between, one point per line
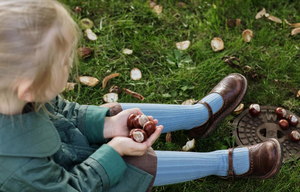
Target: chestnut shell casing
149 127
254 109
138 135
284 124
295 135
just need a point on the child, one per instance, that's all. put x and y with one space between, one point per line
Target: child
66 147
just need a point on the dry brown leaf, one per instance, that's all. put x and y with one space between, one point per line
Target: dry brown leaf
292 24
275 19
239 109
107 78
90 81
134 94
298 93
189 145
295 31
189 102
183 45
84 52
169 137
157 9
110 97
217 44
70 86
247 35
151 4
181 4
238 22
260 14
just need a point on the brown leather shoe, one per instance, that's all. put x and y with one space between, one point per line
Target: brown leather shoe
265 160
232 89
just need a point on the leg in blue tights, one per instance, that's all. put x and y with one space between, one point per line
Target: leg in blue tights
179 117
176 167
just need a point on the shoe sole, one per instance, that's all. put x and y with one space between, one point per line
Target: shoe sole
229 110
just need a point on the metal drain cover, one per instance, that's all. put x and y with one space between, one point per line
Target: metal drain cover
250 130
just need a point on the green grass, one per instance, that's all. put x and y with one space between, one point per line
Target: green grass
273 52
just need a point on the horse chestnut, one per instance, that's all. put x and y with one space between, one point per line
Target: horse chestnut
284 124
254 109
293 120
280 112
139 121
130 121
149 128
295 135
138 135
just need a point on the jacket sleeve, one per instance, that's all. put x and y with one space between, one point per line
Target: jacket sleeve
43 174
88 119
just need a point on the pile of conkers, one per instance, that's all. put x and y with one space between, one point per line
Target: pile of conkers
140 127
284 123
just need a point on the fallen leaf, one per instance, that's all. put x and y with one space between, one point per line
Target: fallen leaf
189 145
181 4
295 31
189 102
239 109
84 52
298 93
157 9
127 51
133 94
217 44
292 24
90 81
110 97
169 137
247 35
151 4
260 14
183 45
273 18
107 78
214 6
70 86
135 74
90 35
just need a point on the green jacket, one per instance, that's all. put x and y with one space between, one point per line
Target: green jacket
64 152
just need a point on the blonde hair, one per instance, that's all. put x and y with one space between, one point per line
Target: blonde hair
35 35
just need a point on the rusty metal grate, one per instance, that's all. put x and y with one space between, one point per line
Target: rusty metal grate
250 130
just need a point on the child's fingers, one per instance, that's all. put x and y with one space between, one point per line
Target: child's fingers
136 111
154 136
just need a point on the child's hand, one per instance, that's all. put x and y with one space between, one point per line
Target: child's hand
117 125
126 146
